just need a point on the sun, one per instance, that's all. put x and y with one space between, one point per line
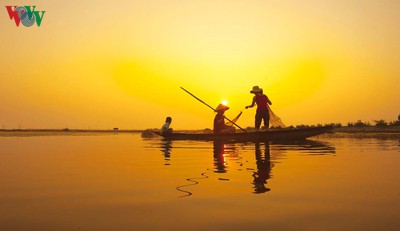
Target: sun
224 102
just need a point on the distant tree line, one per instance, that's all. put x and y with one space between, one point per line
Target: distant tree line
358 123
378 123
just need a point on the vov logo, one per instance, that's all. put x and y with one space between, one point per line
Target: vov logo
27 15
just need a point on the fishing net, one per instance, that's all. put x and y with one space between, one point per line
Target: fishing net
274 120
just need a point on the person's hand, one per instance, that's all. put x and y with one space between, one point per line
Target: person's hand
247 107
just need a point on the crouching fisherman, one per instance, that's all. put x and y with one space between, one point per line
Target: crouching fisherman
165 129
219 120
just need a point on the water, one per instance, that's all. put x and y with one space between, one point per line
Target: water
125 182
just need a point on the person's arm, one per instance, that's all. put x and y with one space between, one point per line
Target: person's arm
252 103
269 101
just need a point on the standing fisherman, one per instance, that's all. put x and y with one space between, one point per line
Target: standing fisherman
262 102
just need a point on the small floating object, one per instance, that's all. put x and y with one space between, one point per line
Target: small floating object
225 179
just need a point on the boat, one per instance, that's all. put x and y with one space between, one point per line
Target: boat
260 135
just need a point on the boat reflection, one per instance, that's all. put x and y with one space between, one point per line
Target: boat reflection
229 157
308 147
224 151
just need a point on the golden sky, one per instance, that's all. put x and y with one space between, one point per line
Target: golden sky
104 64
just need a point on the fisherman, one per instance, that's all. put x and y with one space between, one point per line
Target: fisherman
219 120
165 129
262 102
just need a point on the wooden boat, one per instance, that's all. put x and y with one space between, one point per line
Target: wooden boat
264 135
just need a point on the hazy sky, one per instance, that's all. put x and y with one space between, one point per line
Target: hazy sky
104 64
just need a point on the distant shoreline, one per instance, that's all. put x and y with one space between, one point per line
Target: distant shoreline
361 131
71 130
349 129
59 132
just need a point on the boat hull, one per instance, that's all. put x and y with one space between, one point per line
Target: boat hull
269 135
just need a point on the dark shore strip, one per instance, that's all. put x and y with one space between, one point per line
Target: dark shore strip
61 132
368 131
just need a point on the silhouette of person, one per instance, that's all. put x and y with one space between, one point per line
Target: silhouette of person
264 167
262 102
219 120
165 128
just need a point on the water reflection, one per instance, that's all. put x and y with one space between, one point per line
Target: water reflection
309 147
263 162
219 157
166 146
232 153
264 167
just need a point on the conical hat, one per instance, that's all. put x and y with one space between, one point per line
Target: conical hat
221 107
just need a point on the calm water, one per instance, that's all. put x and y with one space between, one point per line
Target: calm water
124 182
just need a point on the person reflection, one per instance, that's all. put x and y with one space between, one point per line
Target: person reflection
219 159
264 167
166 146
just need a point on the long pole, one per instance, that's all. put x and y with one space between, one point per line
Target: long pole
212 108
